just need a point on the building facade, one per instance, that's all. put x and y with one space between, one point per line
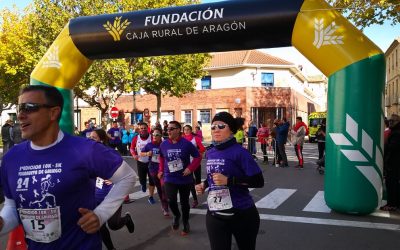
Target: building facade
392 87
248 84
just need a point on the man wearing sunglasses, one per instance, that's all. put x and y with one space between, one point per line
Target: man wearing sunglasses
176 169
49 179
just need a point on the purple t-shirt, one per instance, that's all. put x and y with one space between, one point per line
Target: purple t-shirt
154 159
177 155
48 186
116 133
233 161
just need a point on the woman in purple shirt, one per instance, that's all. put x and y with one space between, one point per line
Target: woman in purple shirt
231 170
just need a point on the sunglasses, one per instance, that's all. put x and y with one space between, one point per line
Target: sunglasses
170 129
156 134
29 107
219 126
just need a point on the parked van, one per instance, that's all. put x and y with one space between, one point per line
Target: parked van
315 120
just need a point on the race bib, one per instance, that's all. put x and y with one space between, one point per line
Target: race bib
175 165
219 199
155 158
99 183
116 133
41 225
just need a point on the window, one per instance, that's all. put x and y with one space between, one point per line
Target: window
267 79
205 116
187 117
206 82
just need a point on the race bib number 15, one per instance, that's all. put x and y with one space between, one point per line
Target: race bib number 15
41 225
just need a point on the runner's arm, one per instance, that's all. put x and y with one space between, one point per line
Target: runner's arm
133 147
124 179
9 216
255 181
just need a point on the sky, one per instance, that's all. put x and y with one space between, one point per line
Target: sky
381 35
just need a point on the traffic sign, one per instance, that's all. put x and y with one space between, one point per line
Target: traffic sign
114 112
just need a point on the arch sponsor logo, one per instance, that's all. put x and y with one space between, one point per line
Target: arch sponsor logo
117 28
326 35
52 58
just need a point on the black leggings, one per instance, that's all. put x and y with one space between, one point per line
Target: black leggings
197 180
172 193
143 173
114 223
264 150
243 226
321 149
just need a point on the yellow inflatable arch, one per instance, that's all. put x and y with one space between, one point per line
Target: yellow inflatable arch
355 67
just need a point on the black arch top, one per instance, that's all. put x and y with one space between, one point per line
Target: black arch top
220 26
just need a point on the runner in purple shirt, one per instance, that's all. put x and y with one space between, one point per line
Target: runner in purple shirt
176 169
152 151
49 179
231 170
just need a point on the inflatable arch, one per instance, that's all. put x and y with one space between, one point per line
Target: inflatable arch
355 67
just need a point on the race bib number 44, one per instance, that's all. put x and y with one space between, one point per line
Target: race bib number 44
41 225
219 199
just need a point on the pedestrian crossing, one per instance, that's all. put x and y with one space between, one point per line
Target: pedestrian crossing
277 197
274 199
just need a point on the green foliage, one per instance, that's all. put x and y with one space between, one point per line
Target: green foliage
168 75
17 54
106 80
364 13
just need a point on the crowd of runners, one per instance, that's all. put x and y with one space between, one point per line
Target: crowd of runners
66 191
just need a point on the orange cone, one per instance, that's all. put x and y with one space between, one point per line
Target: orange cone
16 239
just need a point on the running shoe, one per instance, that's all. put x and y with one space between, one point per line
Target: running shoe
144 188
195 204
175 223
151 200
186 229
129 222
165 213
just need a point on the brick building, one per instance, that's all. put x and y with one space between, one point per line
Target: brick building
248 84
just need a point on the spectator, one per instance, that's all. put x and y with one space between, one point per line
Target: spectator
252 136
321 140
6 131
262 138
392 166
299 131
281 137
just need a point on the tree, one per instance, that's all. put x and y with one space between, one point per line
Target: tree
108 79
17 54
168 75
364 13
104 82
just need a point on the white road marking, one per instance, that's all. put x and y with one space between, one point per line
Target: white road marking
275 198
318 221
317 204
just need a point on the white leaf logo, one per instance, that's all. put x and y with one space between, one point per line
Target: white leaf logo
52 59
362 153
325 36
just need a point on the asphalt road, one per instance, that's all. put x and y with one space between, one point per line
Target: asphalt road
293 216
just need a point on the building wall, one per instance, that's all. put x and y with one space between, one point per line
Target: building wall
237 101
392 88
